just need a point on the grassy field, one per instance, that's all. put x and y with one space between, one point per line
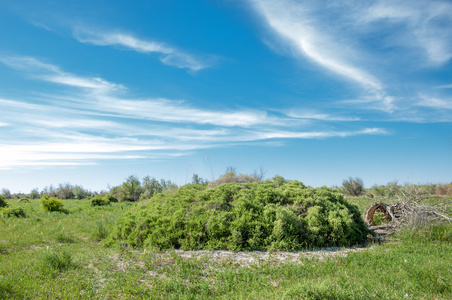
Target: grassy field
61 256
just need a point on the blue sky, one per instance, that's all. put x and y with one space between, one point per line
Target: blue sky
94 91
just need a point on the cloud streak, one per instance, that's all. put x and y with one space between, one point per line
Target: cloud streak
98 121
375 45
168 55
292 22
427 23
51 73
434 102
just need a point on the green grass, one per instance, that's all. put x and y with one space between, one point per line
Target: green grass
62 256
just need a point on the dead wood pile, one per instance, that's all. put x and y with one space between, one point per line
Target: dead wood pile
409 208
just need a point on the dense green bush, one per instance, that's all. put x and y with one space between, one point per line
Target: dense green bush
3 202
52 204
100 200
17 212
112 198
243 216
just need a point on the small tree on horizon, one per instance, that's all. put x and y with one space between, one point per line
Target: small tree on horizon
150 187
6 193
132 189
353 186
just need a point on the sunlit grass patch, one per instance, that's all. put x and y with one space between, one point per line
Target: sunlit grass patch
56 261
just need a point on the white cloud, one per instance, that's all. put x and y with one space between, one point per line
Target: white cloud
170 56
120 39
179 112
434 102
99 122
292 21
313 115
103 96
446 86
52 73
376 45
320 134
427 25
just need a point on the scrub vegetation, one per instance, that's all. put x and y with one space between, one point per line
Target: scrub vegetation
81 252
244 216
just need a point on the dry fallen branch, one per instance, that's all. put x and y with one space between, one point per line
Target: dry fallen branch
409 210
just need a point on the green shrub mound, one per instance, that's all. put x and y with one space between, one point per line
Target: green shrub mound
243 216
17 212
52 204
3 202
112 198
100 200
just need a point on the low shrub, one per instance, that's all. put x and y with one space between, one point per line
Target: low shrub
112 198
3 202
56 261
52 204
353 186
100 200
17 212
100 231
243 216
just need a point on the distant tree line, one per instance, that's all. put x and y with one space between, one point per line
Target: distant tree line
132 189
355 187
63 191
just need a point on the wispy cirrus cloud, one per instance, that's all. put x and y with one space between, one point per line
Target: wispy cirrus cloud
321 134
428 101
375 45
445 86
427 25
314 115
108 99
51 73
293 22
98 121
169 55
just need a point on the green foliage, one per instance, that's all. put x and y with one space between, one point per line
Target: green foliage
3 202
79 193
100 200
433 233
65 191
416 266
150 187
244 216
17 212
111 198
34 194
100 231
353 186
198 180
6 193
132 189
52 204
278 180
56 261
